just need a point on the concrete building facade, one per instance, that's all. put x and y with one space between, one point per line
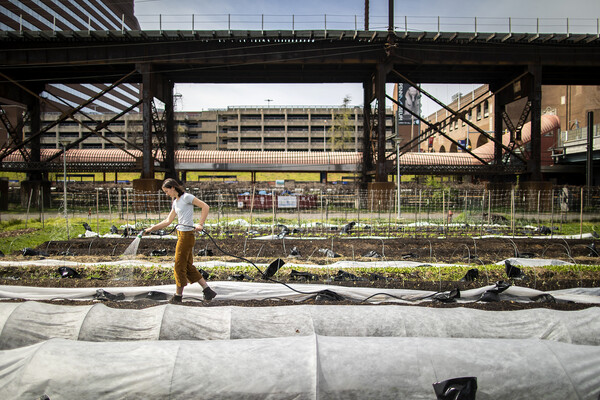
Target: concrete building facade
311 129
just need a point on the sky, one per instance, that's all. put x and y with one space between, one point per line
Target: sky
490 16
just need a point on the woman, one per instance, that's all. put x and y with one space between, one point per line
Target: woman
183 207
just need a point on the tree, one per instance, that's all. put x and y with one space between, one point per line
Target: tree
341 136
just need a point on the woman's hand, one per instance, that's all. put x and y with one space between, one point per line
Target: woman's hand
148 230
199 228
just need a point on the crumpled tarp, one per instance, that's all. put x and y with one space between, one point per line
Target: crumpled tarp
306 367
23 324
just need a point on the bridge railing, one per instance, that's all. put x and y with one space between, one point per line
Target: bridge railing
576 135
270 22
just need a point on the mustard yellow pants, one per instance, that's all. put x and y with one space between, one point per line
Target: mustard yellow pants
184 259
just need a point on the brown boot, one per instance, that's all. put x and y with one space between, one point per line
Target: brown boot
209 294
176 299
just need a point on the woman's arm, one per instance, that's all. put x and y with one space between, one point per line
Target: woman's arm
199 203
163 224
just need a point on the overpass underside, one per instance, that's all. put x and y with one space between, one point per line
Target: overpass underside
515 66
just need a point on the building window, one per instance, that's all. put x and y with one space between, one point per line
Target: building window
486 109
295 117
69 135
251 128
274 129
251 117
276 117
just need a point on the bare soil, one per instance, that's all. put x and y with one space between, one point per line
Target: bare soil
465 251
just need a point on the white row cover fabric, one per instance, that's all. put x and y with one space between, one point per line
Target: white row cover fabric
308 367
243 291
23 324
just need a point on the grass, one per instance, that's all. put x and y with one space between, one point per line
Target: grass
488 274
35 232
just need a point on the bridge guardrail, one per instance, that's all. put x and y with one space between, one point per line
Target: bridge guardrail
270 22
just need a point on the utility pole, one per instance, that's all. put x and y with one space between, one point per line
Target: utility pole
391 16
366 15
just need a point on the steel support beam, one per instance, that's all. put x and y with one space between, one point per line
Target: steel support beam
147 97
169 157
499 109
589 181
367 156
35 114
381 174
535 160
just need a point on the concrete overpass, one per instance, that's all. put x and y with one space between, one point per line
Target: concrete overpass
514 65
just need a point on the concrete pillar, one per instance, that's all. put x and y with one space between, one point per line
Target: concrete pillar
36 188
3 194
144 191
323 177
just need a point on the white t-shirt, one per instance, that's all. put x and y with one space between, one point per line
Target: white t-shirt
185 212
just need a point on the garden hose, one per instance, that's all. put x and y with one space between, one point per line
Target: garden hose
326 292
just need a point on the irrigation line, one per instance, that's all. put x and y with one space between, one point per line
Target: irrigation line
316 294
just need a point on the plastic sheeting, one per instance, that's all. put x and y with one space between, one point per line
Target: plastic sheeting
243 291
23 324
307 367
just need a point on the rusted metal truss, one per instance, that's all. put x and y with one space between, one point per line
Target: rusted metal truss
433 128
454 116
515 131
14 138
160 131
64 115
20 145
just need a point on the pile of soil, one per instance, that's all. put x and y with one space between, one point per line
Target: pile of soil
450 250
